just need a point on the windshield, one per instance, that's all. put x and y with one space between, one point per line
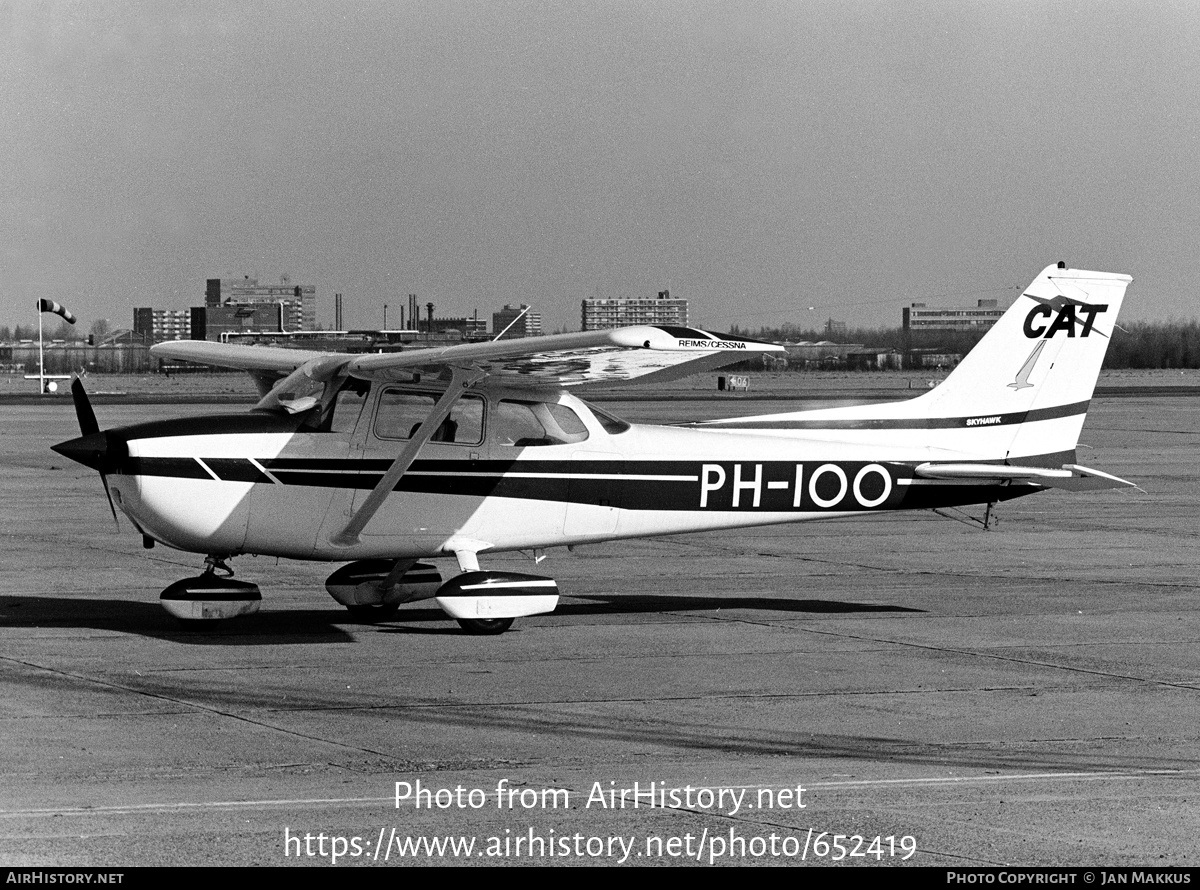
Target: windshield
313 384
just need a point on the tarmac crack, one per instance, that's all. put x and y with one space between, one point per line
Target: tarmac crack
197 706
999 657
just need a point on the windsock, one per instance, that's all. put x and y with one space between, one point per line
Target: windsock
57 309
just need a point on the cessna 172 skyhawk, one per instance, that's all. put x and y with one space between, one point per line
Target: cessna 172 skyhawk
381 460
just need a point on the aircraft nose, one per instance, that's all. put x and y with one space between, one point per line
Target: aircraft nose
95 450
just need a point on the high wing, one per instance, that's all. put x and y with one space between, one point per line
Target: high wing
230 355
590 358
266 365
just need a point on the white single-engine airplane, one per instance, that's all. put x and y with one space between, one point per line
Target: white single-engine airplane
381 460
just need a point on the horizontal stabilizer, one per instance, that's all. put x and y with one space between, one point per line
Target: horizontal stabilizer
1088 479
1071 477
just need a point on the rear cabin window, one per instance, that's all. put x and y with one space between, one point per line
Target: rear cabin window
523 424
612 424
401 413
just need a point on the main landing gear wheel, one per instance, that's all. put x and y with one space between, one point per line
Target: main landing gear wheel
372 590
484 626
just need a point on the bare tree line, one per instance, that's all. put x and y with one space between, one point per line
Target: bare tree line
53 329
1139 344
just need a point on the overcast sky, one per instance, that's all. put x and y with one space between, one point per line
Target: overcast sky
756 158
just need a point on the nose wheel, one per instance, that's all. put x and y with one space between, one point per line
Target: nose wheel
372 590
211 596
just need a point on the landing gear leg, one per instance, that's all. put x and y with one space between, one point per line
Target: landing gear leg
214 564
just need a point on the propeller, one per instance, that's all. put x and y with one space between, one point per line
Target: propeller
93 448
83 409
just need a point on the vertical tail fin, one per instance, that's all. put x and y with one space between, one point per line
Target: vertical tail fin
1038 365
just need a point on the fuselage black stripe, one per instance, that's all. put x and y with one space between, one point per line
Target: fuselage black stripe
236 470
770 486
175 467
906 423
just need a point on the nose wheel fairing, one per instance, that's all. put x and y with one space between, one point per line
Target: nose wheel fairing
210 597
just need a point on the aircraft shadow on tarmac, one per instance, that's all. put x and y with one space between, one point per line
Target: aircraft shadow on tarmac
626 604
580 606
335 625
301 626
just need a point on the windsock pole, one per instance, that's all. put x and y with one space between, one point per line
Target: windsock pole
41 356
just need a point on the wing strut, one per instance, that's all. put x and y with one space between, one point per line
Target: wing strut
461 379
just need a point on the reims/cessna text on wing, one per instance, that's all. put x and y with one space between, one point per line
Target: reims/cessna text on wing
379 461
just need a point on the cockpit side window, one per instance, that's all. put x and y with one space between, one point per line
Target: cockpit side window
524 424
464 426
401 413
